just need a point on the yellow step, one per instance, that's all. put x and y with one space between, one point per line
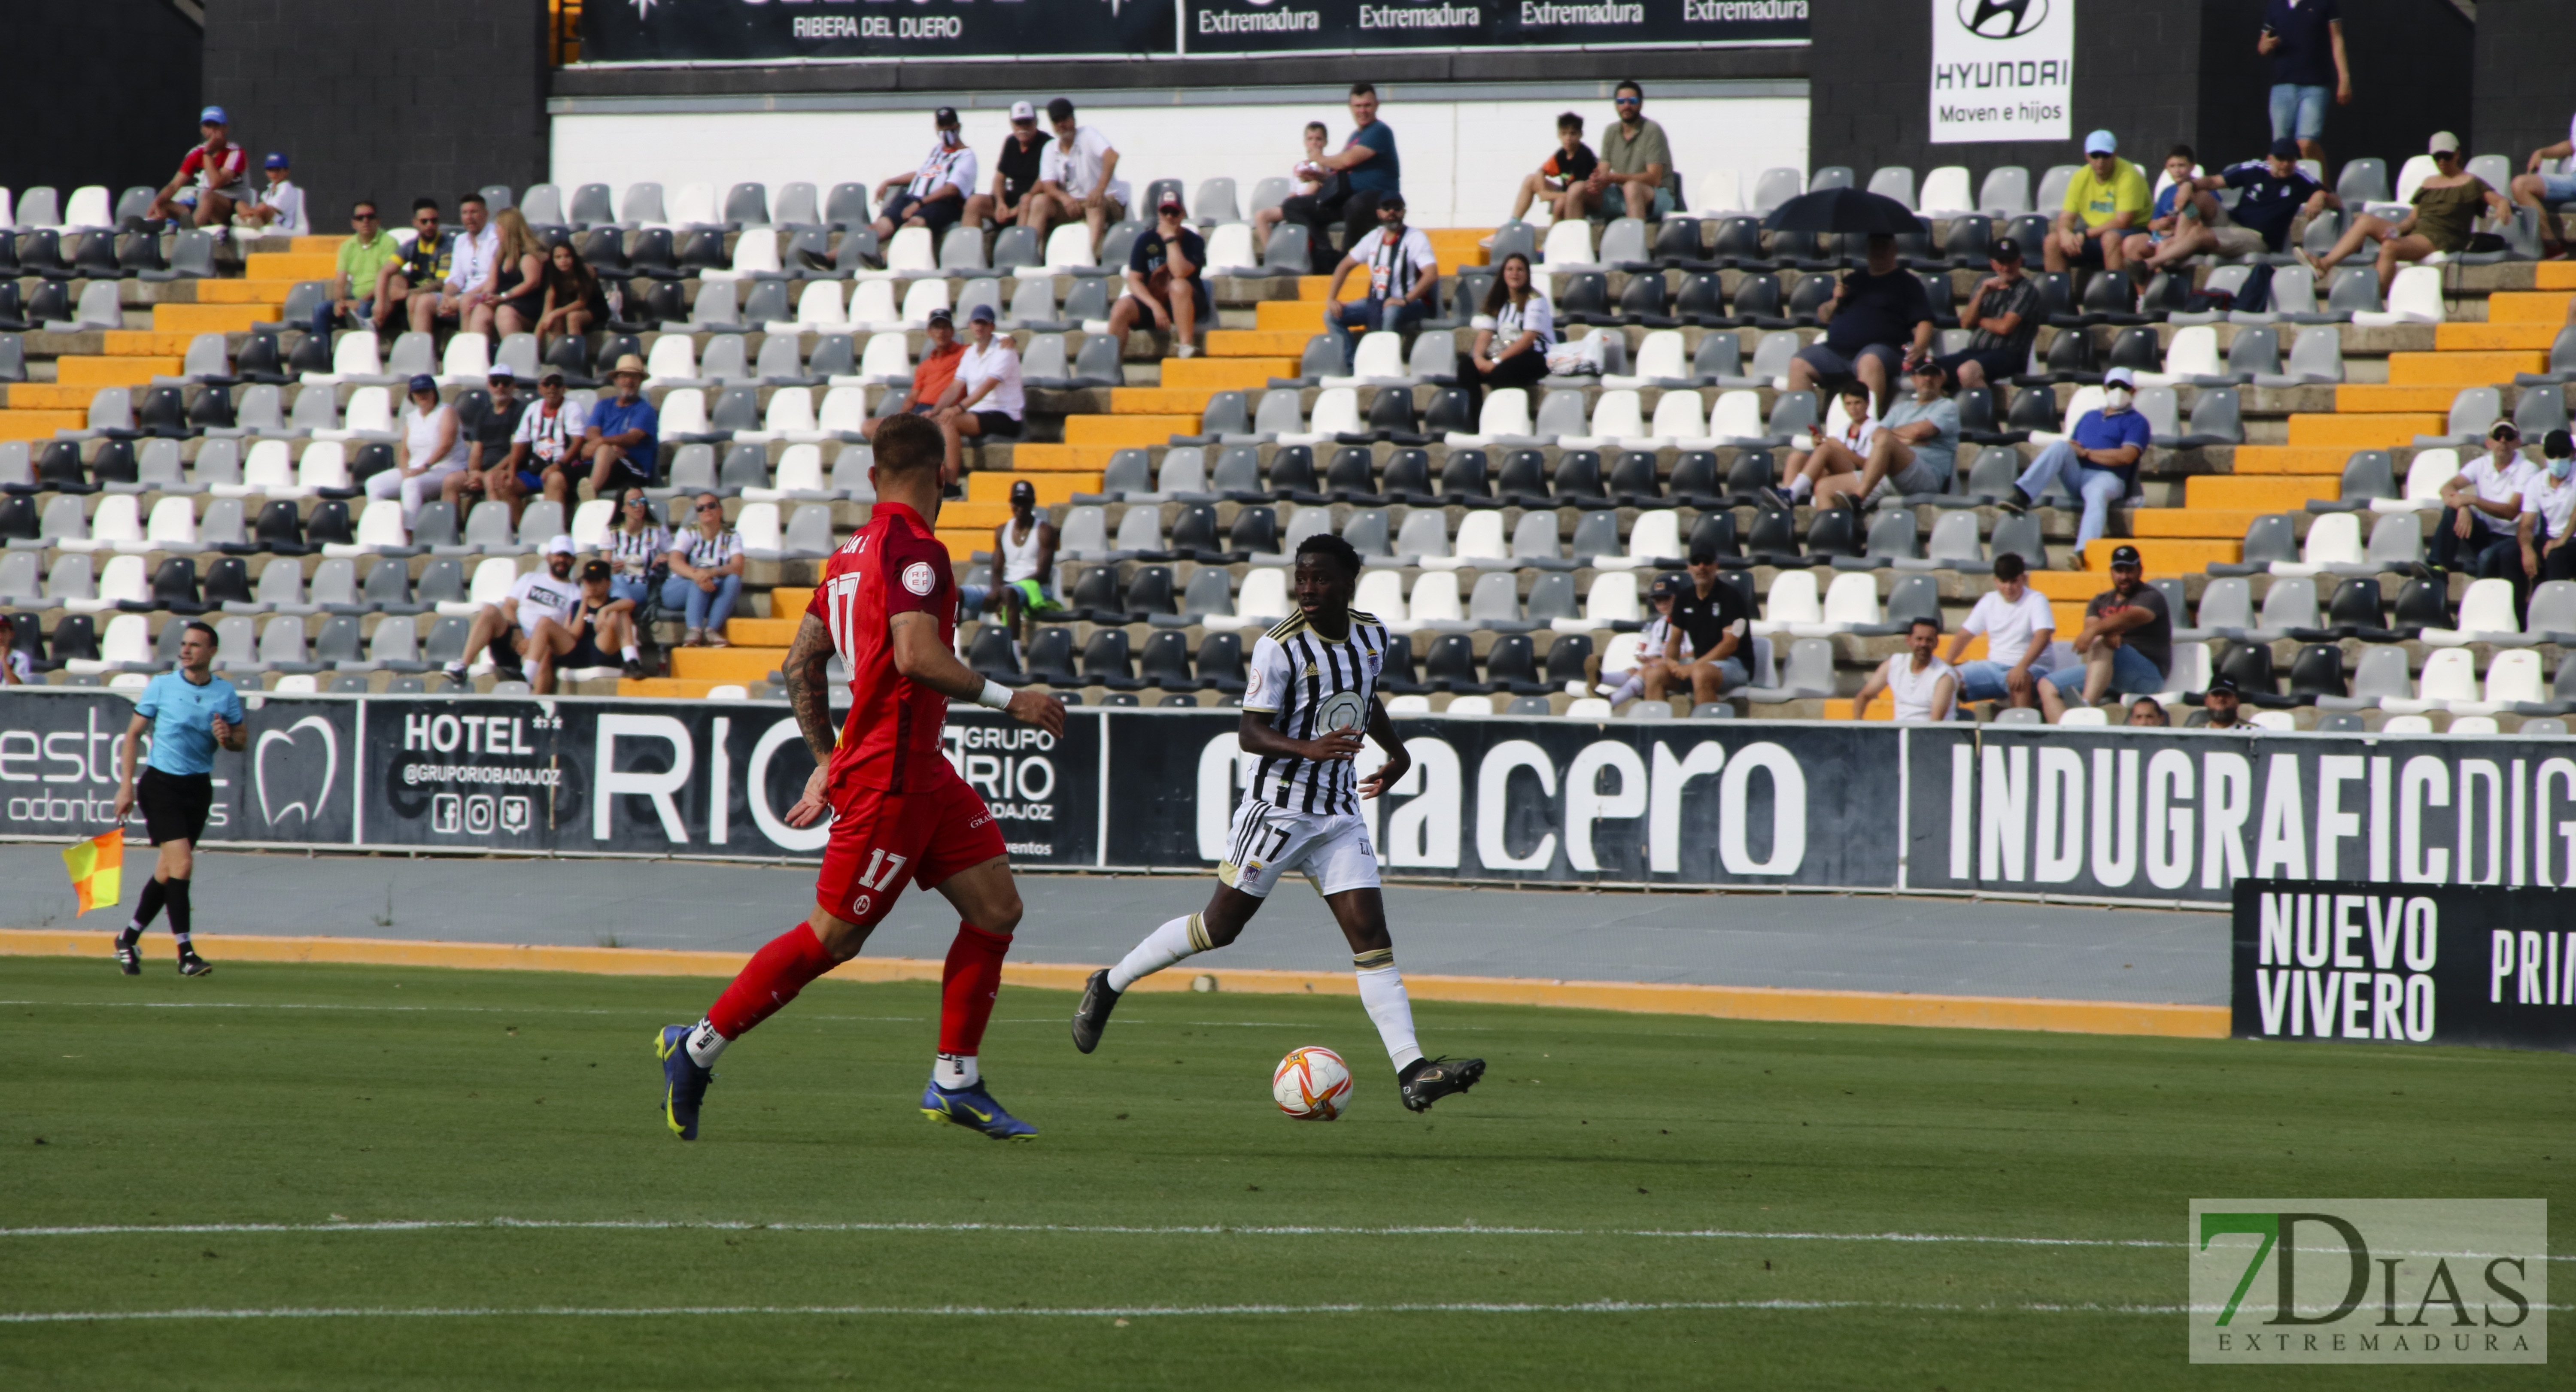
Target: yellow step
81 370
726 664
2261 493
2384 398
2465 338
1279 316
147 343
995 487
763 633
1881 707
328 242
213 318
244 291
39 425
967 514
2191 523
2167 555
2063 585
667 688
2292 459
291 265
2527 306
1157 401
1458 246
1260 343
2555 275
962 544
1226 374
1055 459
1313 287
2460 369
45 396
2364 431
1127 431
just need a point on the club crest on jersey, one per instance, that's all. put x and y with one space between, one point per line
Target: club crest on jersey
919 578
1340 711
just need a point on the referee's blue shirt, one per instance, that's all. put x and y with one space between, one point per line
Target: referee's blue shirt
183 721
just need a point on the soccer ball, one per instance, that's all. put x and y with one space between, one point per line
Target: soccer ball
1312 1084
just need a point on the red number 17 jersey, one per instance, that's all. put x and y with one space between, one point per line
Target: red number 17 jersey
893 565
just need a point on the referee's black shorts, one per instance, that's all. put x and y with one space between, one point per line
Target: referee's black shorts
174 805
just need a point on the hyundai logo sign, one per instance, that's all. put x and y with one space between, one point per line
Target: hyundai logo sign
2002 19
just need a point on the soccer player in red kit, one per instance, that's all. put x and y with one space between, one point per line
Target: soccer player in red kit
888 607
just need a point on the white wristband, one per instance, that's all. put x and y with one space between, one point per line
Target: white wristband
994 695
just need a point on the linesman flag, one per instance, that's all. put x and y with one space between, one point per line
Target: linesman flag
97 869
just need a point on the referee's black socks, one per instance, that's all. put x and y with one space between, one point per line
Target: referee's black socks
175 892
147 909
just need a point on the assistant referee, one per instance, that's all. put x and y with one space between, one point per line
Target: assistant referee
189 712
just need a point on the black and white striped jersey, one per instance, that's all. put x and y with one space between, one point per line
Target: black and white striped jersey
1314 686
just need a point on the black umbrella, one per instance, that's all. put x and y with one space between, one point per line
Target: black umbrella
1844 210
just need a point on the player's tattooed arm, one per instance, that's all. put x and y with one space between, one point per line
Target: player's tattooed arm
809 686
1398 761
1258 736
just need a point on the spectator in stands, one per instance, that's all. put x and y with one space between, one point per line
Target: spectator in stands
473 269
1636 157
1566 167
1514 332
597 625
2445 215
706 575
1024 551
547 444
1368 171
16 668
1827 455
1077 178
2549 515
574 300
209 182
1712 614
635 548
930 376
419 265
1164 284
503 628
2003 320
519 279
622 433
986 401
1658 634
2542 192
1403 280
2179 201
1880 324
1015 172
358 281
432 446
1914 450
933 196
2304 40
2126 641
1925 687
2147 712
2221 708
487 472
2098 462
2105 199
279 207
1309 181
2275 199
2019 624
2482 507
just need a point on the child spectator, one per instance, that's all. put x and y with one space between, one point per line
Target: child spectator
1570 163
280 206
1622 687
1309 182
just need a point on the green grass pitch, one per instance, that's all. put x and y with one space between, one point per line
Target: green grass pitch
1677 1202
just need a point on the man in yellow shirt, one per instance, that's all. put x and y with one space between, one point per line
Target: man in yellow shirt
2106 199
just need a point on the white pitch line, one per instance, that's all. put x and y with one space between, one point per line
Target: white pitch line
1595 1307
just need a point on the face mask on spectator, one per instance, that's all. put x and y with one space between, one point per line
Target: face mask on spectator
2117 398
2558 467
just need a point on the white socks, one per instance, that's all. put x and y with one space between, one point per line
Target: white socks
953 1071
1801 486
1182 937
630 654
705 1044
1382 993
1630 689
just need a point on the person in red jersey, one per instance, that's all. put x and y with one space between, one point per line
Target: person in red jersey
888 607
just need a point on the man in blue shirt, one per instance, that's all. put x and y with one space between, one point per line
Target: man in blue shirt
622 433
2097 462
2304 40
189 713
1353 179
2273 193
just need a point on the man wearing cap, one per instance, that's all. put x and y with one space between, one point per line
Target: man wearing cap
1015 172
1077 178
933 196
986 400
2098 462
2447 208
2002 319
1925 687
621 433
2019 625
596 626
1403 280
1659 633
2221 708
2482 507
503 628
280 206
1714 616
487 447
1163 281
2105 199
1024 548
2126 641
547 447
1881 326
2275 198
930 377
209 180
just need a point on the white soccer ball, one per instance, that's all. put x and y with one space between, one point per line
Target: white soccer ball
1312 1084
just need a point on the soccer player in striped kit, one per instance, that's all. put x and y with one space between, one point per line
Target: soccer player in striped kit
888 607
1311 691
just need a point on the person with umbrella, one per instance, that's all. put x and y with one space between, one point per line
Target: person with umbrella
1880 321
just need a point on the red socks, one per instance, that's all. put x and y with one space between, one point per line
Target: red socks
967 988
774 975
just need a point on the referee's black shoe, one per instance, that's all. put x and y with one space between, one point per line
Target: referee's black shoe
1426 1081
129 958
190 964
1092 1016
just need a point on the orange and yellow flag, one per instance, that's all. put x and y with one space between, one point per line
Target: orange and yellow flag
97 868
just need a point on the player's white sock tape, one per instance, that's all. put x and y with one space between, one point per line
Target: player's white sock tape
705 1044
1382 993
1182 937
955 1071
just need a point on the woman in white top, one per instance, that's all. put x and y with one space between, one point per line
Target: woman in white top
430 449
1924 685
1513 334
986 399
633 547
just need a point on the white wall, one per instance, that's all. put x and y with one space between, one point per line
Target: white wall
1463 161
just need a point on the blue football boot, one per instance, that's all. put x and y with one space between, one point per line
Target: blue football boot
973 1108
684 1083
